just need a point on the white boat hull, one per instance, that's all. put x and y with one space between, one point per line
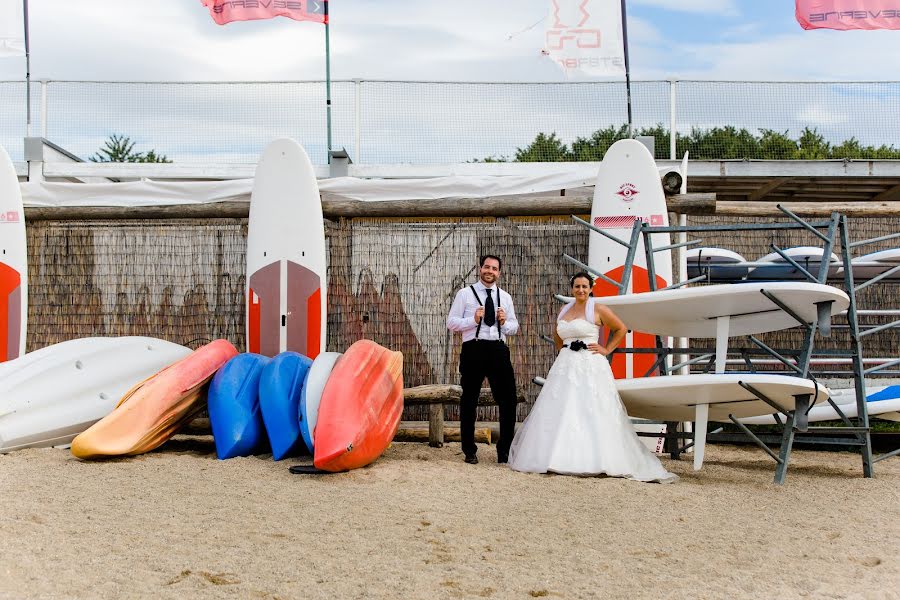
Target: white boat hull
49 396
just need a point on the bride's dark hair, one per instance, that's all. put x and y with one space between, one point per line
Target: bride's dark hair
582 275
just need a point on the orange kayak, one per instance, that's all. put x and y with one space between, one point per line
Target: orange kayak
153 410
360 410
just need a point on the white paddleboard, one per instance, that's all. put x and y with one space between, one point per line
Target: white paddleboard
13 263
874 264
808 257
715 263
286 281
694 312
675 397
628 188
882 402
49 396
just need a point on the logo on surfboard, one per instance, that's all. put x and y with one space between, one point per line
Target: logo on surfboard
628 192
10 216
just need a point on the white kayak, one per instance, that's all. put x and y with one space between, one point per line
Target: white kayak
49 396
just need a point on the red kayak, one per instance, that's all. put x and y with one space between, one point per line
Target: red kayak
360 410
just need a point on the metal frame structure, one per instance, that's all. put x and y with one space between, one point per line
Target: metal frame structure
794 425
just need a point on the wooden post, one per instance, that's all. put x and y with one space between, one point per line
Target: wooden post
436 425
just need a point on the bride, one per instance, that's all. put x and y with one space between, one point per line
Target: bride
578 425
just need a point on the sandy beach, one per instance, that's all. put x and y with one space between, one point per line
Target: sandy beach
420 523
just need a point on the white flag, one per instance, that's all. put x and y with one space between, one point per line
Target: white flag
585 36
12 29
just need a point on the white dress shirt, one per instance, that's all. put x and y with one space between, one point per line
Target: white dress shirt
462 314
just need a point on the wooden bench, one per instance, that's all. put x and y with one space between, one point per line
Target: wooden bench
435 396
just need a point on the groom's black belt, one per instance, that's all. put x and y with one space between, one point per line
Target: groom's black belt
480 341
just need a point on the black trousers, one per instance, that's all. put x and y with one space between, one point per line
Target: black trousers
480 359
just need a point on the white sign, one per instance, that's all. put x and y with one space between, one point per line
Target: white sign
585 36
12 29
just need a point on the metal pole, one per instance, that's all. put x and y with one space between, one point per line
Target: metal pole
627 70
328 81
27 69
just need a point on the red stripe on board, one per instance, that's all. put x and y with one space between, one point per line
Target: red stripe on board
640 282
313 319
10 312
252 323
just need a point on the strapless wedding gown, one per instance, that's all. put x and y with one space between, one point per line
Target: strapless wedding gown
578 425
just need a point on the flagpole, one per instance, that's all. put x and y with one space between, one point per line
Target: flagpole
27 70
627 71
328 81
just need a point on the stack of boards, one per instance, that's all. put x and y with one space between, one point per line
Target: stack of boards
344 409
720 265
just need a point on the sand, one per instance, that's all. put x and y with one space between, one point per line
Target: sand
420 523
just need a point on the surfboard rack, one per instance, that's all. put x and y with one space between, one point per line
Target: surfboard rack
815 321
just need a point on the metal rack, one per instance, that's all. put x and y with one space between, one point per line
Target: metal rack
794 427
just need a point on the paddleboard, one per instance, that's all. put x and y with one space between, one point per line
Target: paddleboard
874 264
49 396
360 409
808 257
279 400
882 402
286 281
675 397
13 263
233 405
716 264
694 312
628 188
153 410
311 396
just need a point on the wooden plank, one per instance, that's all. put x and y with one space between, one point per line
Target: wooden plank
767 188
811 209
888 195
440 393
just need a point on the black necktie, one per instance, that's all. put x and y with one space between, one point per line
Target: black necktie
490 317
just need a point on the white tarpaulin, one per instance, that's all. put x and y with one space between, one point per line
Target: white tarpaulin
167 193
585 36
12 29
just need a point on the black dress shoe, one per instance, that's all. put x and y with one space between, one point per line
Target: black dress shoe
502 460
472 460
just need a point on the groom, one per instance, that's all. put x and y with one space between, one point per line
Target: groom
485 316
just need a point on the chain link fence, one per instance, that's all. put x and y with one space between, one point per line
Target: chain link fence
389 122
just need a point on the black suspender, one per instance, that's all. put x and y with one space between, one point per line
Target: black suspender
477 299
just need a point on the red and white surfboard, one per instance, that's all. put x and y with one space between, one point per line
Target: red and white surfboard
628 188
286 281
13 264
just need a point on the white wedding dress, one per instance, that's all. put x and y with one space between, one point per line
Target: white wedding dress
578 425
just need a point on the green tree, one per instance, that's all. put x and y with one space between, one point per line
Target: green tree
120 148
544 148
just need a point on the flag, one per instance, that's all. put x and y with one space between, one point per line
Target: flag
12 29
226 11
585 36
848 14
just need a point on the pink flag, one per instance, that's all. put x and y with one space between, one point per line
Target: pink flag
848 14
226 11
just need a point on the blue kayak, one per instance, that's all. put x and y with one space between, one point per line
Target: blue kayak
279 397
233 405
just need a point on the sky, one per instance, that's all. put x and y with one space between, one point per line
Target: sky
463 40
377 41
